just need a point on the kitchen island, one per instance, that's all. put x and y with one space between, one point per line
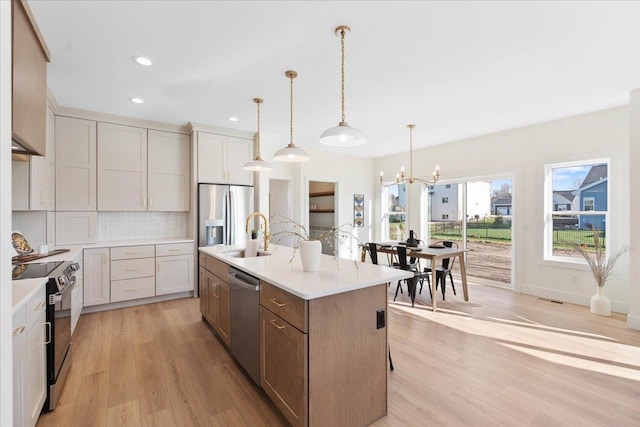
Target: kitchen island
323 335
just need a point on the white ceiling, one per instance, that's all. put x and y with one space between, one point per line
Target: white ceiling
455 69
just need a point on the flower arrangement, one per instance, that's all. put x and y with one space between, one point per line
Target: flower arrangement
600 266
334 236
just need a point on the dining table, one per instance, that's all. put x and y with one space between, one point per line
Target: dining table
433 253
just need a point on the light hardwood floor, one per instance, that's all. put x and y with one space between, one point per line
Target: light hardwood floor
500 359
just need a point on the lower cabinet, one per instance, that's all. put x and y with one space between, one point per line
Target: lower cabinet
29 361
126 273
283 366
324 361
214 300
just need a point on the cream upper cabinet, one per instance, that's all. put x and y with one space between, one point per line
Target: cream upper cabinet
221 159
122 168
33 180
169 157
75 148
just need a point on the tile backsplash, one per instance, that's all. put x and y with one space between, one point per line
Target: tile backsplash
141 225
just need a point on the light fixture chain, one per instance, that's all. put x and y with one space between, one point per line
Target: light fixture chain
342 74
411 153
291 109
258 137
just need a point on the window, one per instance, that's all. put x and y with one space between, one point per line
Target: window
447 186
588 203
445 200
396 218
445 216
577 200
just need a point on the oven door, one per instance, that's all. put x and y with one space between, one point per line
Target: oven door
58 357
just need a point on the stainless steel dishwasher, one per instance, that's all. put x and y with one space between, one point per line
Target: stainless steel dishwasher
245 321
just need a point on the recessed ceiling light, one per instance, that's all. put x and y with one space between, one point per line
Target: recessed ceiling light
232 119
136 100
142 60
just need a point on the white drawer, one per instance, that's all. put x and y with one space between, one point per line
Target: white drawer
19 325
124 290
174 249
131 252
133 268
36 305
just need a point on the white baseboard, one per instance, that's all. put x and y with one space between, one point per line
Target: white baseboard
633 321
131 303
585 300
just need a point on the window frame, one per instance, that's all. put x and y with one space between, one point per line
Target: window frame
387 210
549 212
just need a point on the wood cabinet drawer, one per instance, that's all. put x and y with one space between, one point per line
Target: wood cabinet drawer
217 267
288 306
174 249
35 306
131 252
123 290
133 268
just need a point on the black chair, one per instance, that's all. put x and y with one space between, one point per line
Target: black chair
443 270
373 252
412 282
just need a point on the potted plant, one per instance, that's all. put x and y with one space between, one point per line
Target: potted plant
254 234
601 267
311 248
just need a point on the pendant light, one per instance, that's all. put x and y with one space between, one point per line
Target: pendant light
401 178
291 153
257 164
342 135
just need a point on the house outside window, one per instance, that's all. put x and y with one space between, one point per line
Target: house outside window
396 217
576 200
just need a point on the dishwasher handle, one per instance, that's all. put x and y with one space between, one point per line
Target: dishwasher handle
234 280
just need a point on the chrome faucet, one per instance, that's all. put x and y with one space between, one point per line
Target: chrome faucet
267 236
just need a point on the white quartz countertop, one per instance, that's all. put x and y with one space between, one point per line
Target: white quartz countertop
22 290
279 270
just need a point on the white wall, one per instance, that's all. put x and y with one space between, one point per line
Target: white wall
6 377
634 226
523 153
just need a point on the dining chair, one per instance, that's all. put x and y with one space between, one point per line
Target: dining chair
402 264
443 270
373 252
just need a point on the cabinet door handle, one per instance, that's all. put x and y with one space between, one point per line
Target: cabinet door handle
18 331
273 322
38 306
48 325
276 302
174 250
150 202
157 266
144 202
131 269
104 259
132 252
132 289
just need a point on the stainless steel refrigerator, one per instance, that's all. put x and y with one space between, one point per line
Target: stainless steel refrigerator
223 210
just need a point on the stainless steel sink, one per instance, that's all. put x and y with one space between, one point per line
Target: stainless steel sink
242 254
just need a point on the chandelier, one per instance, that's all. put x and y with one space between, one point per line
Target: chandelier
401 178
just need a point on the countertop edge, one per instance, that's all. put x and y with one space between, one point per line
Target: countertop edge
24 289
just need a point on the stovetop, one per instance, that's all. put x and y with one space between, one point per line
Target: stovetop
34 270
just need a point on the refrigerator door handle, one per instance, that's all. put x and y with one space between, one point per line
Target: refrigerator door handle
232 219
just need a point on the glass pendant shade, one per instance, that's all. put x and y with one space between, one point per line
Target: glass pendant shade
342 136
292 154
258 165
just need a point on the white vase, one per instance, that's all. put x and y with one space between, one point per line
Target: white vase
252 248
310 251
600 304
